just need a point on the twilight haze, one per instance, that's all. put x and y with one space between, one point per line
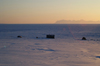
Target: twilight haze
48 11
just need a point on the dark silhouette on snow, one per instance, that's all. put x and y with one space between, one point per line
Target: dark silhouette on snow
83 38
19 36
50 36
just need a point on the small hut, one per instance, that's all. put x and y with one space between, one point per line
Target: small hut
50 36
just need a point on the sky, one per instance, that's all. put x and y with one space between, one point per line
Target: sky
48 11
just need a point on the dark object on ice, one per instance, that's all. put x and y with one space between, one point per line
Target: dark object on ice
83 38
36 37
19 36
50 36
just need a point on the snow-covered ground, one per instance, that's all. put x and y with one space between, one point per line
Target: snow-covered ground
28 51
49 52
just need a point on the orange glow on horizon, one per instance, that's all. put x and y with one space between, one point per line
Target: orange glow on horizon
40 12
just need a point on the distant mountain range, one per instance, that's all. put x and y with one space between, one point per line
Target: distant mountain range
76 22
